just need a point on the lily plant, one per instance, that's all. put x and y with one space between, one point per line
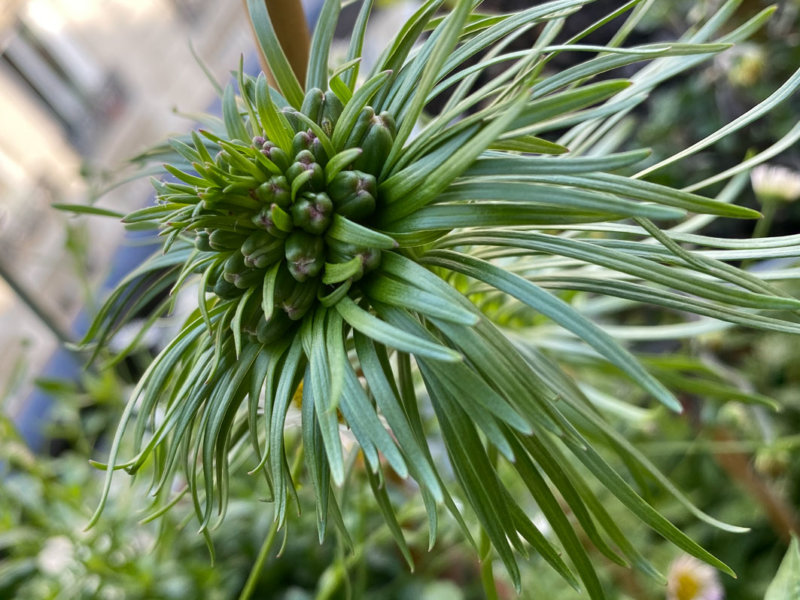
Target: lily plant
426 282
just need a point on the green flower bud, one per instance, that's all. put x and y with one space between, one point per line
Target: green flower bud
306 140
225 240
275 190
271 330
201 242
233 266
261 250
312 104
302 298
312 212
276 155
276 221
305 255
342 252
254 241
221 160
248 278
225 289
353 194
284 284
305 161
360 128
332 109
377 144
294 121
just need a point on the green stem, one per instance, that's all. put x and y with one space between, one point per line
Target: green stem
485 548
487 577
48 321
261 560
255 572
768 210
333 579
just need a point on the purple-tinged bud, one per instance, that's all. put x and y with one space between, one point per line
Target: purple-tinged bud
305 161
307 140
301 299
312 212
275 190
305 255
274 220
276 155
221 160
370 257
353 194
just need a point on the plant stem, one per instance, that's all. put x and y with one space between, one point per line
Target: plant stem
252 579
291 27
33 304
768 208
261 559
487 577
781 514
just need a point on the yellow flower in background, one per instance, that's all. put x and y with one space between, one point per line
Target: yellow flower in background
691 579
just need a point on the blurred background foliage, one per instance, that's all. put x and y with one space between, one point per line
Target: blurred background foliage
735 459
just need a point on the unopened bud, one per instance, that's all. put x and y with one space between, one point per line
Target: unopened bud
275 190
312 212
305 255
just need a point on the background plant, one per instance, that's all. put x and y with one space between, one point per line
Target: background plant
477 172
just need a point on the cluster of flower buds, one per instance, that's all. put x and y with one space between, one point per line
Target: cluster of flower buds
269 211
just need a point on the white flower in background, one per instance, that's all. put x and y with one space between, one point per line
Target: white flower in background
690 579
771 182
56 555
743 64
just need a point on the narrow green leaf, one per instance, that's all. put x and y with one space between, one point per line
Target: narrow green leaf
447 37
380 331
444 174
350 232
357 44
477 476
317 75
628 262
786 584
273 52
337 272
280 404
351 110
85 209
274 122
625 494
361 415
233 120
341 161
560 312
496 164
528 143
554 513
379 491
321 385
777 97
378 378
340 88
650 192
396 293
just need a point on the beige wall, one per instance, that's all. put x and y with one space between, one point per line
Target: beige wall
145 44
